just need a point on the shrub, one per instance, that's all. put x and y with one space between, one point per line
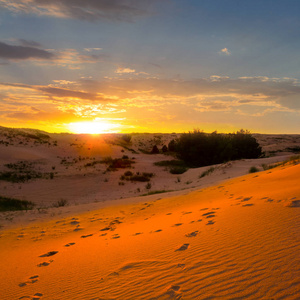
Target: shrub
140 178
10 204
148 174
164 149
172 146
207 172
178 170
128 173
253 170
199 149
126 138
60 203
154 150
156 192
148 186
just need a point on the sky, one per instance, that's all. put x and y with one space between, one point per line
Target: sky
100 66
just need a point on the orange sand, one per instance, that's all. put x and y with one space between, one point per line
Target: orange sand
237 240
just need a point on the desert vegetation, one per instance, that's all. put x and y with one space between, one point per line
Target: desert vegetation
199 149
174 166
10 204
142 177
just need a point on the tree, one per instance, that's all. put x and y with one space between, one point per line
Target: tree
154 150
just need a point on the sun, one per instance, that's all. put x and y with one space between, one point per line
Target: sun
93 127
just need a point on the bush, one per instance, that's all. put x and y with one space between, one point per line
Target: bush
154 150
172 146
178 170
140 178
128 173
199 149
207 172
10 204
126 138
148 186
164 149
253 170
60 203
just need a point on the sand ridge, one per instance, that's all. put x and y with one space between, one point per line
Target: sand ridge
232 240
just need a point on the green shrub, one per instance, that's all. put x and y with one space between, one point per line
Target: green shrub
128 173
140 178
156 192
199 149
253 170
164 149
154 150
10 204
178 170
60 203
207 172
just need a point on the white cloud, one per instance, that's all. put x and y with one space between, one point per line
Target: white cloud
124 71
225 51
92 49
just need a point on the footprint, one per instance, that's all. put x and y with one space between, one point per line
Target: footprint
115 236
137 233
77 229
158 230
31 280
210 216
74 223
248 204
209 213
210 222
44 264
246 199
183 247
85 236
37 296
106 228
51 253
186 213
177 224
192 234
180 265
168 214
69 244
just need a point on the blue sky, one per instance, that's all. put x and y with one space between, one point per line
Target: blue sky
142 65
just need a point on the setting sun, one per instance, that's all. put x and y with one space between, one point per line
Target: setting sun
93 127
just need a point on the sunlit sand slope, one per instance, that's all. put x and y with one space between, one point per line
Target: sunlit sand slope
238 240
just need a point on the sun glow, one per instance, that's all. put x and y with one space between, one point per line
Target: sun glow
93 127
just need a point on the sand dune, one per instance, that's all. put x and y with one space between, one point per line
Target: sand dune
236 240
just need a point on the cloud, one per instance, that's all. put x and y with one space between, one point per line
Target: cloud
124 71
12 52
29 43
91 10
92 49
251 96
55 92
225 51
